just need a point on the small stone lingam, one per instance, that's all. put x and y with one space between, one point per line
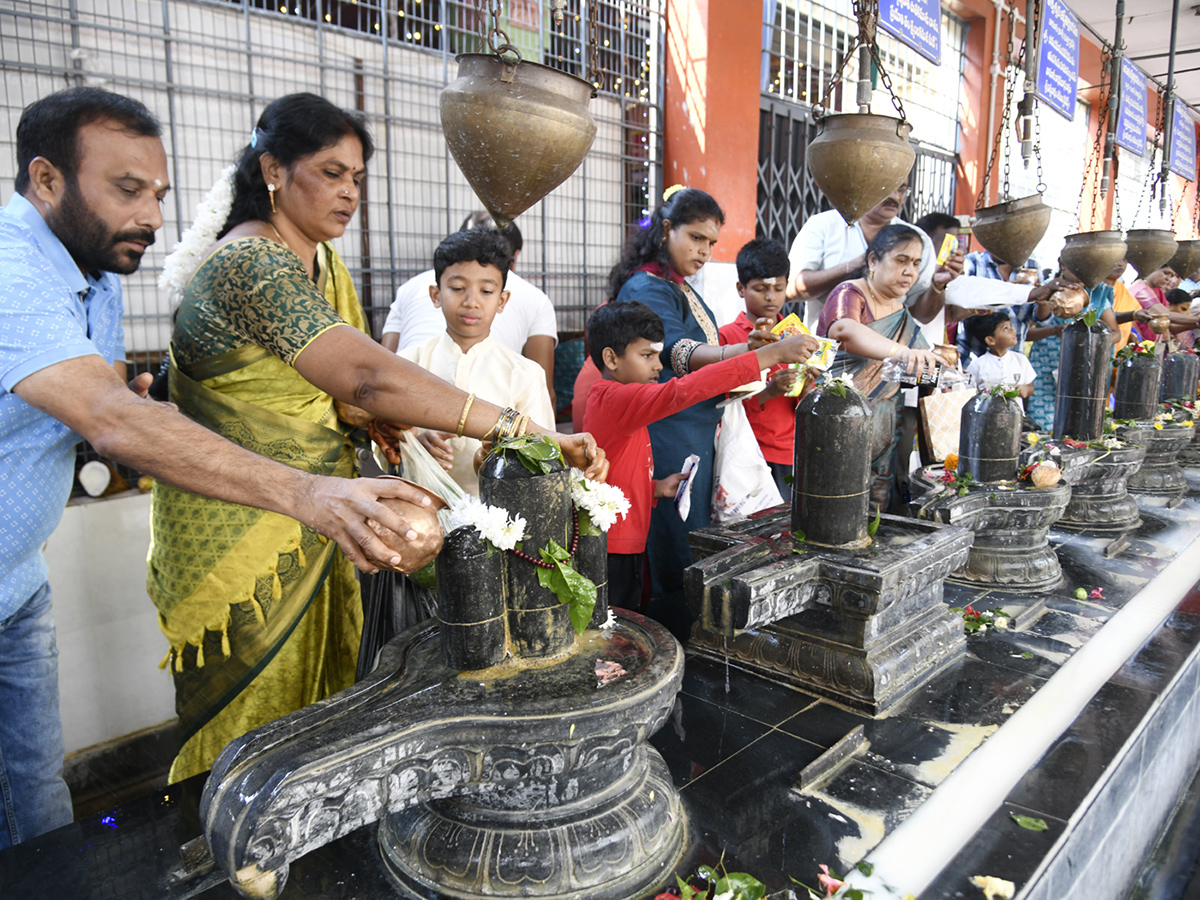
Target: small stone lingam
1098 467
1181 374
819 594
1010 517
503 754
1140 420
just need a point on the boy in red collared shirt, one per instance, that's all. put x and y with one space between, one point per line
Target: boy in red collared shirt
763 268
625 340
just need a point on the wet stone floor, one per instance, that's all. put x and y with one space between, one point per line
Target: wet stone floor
736 745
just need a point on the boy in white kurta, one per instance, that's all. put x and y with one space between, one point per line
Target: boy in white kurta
471 268
1001 364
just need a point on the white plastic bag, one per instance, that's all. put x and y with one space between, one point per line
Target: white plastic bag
742 481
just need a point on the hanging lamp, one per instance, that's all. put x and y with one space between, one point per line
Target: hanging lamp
517 129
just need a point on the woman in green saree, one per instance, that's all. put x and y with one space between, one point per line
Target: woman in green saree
867 316
269 349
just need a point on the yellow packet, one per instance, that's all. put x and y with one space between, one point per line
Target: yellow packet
790 325
949 245
821 360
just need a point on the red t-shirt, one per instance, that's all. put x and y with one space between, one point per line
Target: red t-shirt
617 415
773 422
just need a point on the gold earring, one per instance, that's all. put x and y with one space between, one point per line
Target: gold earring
271 194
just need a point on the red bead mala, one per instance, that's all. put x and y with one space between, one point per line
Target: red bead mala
519 554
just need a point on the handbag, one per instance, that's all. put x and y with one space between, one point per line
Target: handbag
941 417
742 481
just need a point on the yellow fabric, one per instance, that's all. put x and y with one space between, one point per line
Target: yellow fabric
1124 301
262 614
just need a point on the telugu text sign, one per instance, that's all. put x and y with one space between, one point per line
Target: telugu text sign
1183 141
917 23
1131 120
1058 58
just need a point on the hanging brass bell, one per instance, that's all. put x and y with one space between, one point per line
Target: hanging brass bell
1091 255
1149 248
859 159
1186 259
1010 230
516 129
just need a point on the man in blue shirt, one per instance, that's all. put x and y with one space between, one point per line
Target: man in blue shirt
92 175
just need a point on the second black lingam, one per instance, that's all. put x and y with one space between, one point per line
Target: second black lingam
823 595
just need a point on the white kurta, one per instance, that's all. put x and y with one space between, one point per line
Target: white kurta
492 372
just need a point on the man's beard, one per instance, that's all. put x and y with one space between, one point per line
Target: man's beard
88 239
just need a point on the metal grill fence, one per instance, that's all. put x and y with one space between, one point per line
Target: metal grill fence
208 67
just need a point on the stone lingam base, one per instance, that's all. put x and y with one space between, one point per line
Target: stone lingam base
1011 521
527 779
1100 502
862 627
1160 473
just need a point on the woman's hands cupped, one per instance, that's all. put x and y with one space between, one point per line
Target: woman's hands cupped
348 510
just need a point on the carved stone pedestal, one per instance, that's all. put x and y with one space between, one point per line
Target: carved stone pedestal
1160 473
1100 501
863 627
522 780
1010 520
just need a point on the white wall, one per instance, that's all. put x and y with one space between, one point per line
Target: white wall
108 638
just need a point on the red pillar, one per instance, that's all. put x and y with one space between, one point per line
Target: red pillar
713 58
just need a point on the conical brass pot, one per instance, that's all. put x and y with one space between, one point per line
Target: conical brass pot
1186 259
1010 230
1090 255
1149 248
859 159
517 130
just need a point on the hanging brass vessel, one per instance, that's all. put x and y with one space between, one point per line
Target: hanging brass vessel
1090 255
1011 229
859 159
1149 248
517 130
1186 259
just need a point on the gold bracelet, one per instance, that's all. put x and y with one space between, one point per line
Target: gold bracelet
523 427
895 349
462 419
936 289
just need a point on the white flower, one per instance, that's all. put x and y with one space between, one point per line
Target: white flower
604 503
1112 443
511 532
607 626
185 258
492 522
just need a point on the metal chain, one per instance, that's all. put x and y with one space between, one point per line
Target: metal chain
497 38
866 13
1148 186
595 76
1037 123
1002 131
1095 159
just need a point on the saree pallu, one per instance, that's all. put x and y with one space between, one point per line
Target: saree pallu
885 398
263 614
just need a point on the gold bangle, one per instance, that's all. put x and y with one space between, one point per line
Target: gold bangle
523 428
895 349
462 419
936 289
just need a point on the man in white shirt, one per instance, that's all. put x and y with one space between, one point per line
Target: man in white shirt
527 325
827 252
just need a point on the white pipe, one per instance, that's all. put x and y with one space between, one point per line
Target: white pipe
912 856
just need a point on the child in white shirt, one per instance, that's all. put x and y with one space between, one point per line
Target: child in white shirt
1001 364
471 269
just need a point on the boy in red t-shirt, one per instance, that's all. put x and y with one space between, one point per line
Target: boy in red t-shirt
625 341
763 268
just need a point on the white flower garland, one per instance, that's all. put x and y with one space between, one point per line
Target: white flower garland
492 522
603 503
185 257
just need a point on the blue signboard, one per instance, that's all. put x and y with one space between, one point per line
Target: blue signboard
917 23
1058 58
1183 142
1131 120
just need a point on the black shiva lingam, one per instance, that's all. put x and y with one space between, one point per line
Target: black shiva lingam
1097 466
1181 373
1010 517
817 594
502 754
1163 433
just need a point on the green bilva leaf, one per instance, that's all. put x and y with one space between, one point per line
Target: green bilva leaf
1030 822
1026 655
798 535
744 887
874 526
866 868
687 892
853 894
1090 317
586 525
577 591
